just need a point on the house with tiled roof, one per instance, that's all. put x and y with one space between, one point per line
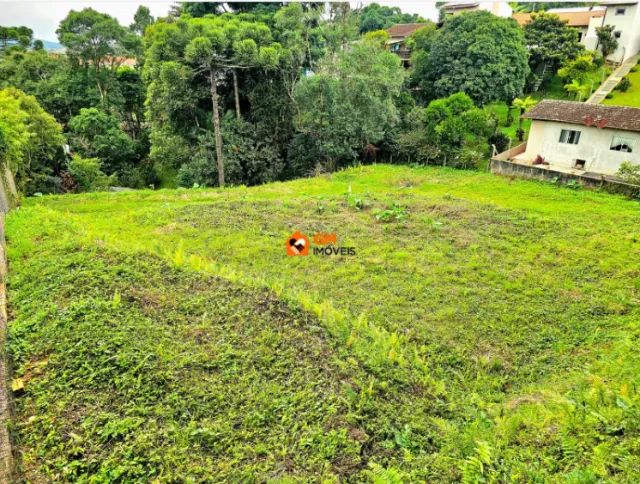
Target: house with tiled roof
623 15
500 9
579 137
397 43
584 19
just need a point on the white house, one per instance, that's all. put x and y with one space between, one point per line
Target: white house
584 19
624 15
580 137
501 9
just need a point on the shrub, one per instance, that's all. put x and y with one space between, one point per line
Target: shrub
137 176
87 174
500 141
393 213
623 85
629 172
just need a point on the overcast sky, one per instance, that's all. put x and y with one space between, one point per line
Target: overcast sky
44 16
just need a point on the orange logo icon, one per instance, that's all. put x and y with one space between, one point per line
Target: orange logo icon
297 244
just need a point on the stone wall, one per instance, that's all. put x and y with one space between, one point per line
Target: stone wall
587 180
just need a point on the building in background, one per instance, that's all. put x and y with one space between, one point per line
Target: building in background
578 137
501 9
584 19
397 42
625 18
623 15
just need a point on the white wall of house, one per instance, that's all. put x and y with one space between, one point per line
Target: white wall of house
501 9
594 147
628 24
590 38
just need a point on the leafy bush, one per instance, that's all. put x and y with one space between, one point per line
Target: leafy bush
623 85
87 174
393 213
440 132
580 67
629 172
500 141
137 176
94 133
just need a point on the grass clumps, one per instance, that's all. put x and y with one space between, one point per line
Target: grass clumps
488 334
627 92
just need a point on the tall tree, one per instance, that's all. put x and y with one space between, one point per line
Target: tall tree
97 42
551 43
377 17
20 37
30 139
476 53
141 20
349 103
213 48
606 40
523 105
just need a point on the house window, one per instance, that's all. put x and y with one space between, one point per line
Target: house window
617 34
580 164
618 143
620 11
570 136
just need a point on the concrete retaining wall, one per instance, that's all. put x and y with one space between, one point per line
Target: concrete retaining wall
6 456
588 180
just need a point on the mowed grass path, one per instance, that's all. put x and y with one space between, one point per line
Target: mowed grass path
487 334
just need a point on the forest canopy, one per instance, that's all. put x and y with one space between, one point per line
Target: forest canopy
234 93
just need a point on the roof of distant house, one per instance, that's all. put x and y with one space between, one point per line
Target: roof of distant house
404 30
618 2
614 117
573 18
460 5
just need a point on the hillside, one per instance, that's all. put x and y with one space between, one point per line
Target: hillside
484 328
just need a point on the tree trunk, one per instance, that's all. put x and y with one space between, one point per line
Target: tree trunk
236 93
216 126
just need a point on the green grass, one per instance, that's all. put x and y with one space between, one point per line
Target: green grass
488 333
501 111
629 98
554 87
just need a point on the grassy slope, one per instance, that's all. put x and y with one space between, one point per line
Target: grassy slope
501 111
491 332
629 98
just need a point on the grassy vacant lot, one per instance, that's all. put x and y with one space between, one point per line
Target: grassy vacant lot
485 329
629 98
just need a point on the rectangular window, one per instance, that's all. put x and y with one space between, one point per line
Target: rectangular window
619 143
617 34
620 11
580 164
569 136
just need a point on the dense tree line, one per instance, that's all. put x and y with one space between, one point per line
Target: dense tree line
233 93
